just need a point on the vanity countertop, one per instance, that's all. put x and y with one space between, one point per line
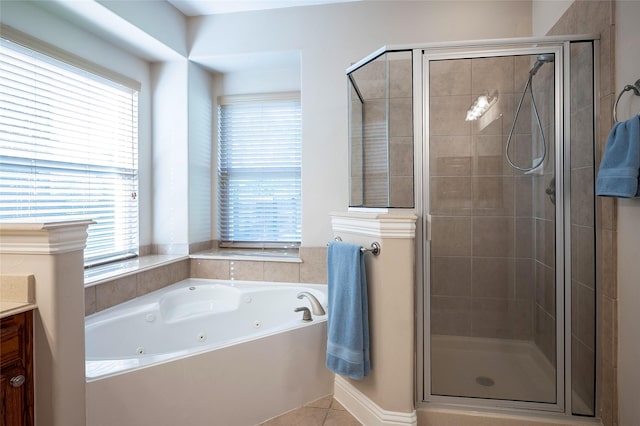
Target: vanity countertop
17 294
11 308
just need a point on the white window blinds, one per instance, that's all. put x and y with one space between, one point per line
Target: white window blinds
259 163
68 149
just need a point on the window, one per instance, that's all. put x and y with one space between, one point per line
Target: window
68 148
259 162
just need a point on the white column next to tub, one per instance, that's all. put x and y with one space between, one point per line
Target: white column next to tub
53 253
386 396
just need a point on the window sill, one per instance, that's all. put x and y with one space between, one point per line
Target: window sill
258 255
111 271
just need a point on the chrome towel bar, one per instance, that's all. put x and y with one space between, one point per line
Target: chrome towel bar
636 91
374 249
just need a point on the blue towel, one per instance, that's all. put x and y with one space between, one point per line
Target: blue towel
620 167
347 320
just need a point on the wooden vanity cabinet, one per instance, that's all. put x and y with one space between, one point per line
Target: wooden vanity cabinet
16 370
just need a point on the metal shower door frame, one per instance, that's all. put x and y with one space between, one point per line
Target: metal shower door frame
511 47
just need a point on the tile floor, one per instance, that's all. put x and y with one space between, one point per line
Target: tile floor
322 412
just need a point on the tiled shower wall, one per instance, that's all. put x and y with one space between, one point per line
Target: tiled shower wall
482 262
597 17
311 269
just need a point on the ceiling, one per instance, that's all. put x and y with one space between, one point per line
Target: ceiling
212 7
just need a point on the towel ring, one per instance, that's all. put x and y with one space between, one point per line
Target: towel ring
636 91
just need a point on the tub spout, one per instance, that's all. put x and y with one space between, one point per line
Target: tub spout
316 306
306 315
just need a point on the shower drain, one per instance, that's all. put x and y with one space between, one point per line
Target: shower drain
485 381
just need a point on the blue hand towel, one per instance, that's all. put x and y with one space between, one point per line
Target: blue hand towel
347 320
620 167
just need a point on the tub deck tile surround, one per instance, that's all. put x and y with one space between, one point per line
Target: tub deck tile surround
325 411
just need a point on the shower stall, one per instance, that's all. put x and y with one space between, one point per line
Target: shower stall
499 143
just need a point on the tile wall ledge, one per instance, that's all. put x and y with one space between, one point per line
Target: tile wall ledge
103 273
257 255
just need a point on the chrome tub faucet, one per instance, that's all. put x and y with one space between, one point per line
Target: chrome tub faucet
316 306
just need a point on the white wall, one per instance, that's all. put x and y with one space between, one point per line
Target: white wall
627 72
30 19
200 116
170 157
330 38
544 14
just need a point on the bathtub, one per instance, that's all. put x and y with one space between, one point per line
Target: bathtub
205 352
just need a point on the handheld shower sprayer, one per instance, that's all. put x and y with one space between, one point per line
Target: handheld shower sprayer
541 60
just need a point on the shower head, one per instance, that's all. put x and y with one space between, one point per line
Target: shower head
542 59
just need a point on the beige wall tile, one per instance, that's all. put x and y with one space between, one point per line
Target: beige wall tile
525 285
493 196
585 268
400 75
545 242
451 316
451 236
489 157
493 277
491 74
89 300
524 243
450 77
608 271
493 236
313 273
521 319
524 196
583 374
401 156
282 272
180 270
491 318
585 305
546 289
400 117
582 196
246 270
153 279
451 196
545 334
608 336
313 268
451 276
401 191
450 155
210 268
447 115
114 292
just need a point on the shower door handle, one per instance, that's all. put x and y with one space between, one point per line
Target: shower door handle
428 228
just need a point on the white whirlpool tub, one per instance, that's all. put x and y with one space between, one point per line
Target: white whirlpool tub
205 353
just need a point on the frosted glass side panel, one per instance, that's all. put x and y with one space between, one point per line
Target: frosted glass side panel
381 132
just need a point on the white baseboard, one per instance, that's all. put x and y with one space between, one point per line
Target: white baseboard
365 410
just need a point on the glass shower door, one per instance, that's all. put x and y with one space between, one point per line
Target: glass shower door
492 274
